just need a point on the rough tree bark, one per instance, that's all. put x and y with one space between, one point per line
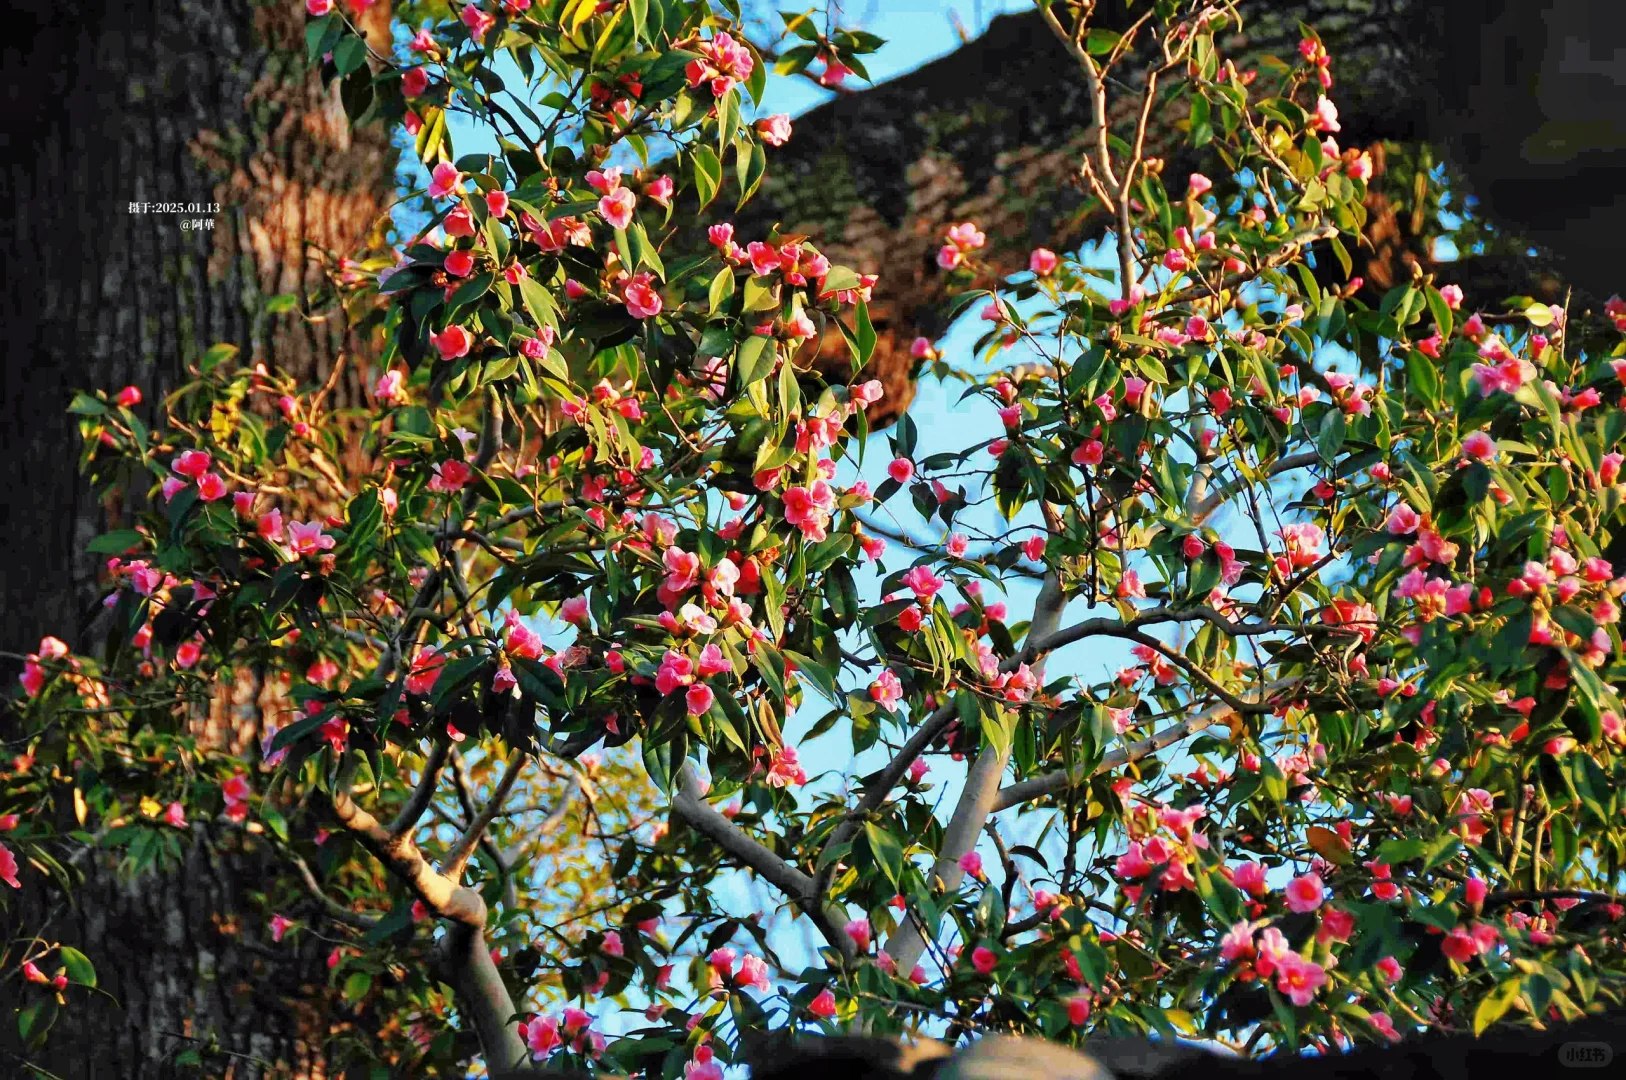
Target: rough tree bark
993 131
112 104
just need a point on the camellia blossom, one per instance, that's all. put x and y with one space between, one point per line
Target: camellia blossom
452 342
775 130
1305 893
307 538
887 691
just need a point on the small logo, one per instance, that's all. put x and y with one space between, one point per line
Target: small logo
1586 1055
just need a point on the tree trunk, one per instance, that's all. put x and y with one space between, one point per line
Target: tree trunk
116 109
993 133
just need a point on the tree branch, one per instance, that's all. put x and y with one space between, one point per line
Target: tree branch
464 958
413 809
331 907
458 857
1052 783
978 798
688 800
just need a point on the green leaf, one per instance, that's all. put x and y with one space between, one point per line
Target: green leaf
756 359
722 288
761 294
1494 1005
80 969
85 405
349 54
864 335
1441 311
115 543
357 985
750 165
1331 436
1424 377
887 851
708 174
216 355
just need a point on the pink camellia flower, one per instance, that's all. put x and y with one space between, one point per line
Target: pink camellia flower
1033 548
270 526
307 538
1304 893
901 470
459 222
1250 878
722 962
702 1067
574 610
660 190
971 863
452 342
391 387
617 207
775 130
984 960
887 691
459 263
445 181
1199 184
541 1036
172 486
861 933
643 301
922 582
1479 446
824 1005
1078 1010
1042 262
1299 978
129 396
192 464
279 927
784 770
8 867
414 82
1384 1026
318 8
699 699
425 670
479 22
1326 116
1390 969
834 73
1452 295
211 486
1237 944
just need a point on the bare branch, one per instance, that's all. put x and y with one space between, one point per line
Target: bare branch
688 800
458 857
413 809
1054 782
333 909
400 855
1213 502
977 799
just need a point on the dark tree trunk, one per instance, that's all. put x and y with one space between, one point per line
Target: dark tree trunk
110 105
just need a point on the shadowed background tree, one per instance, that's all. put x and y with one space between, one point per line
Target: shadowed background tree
124 120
